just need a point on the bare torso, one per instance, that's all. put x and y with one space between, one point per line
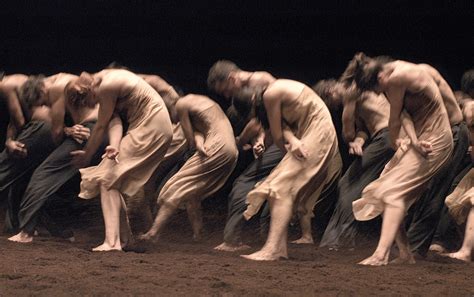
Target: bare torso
374 111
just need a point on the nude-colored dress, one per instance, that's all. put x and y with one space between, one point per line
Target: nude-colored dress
405 176
202 176
302 181
461 200
142 148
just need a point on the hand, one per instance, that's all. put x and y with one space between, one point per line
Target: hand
423 147
16 149
79 133
355 148
79 159
258 149
111 153
297 148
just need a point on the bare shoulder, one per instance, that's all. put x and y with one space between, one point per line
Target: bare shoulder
283 89
12 82
117 82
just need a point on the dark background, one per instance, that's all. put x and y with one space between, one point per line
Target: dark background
180 40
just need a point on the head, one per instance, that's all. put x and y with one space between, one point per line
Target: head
366 72
79 92
249 101
331 91
33 91
223 78
467 83
116 65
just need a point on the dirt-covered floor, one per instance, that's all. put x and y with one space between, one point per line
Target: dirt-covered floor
178 266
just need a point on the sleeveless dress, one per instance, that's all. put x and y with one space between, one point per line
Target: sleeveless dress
460 201
405 176
141 150
302 181
202 176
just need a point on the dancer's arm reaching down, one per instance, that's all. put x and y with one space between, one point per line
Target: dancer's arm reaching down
272 102
108 98
115 137
348 120
361 136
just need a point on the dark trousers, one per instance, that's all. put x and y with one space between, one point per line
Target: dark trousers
343 229
15 172
48 178
449 233
425 214
255 172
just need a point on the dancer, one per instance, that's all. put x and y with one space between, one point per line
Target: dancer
299 118
267 154
29 141
129 161
366 129
46 184
208 130
426 212
415 103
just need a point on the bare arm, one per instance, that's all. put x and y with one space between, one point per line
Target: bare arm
183 114
58 110
348 120
115 131
395 96
107 101
273 108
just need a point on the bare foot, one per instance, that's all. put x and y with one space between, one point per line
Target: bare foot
374 260
21 237
149 236
403 260
226 247
459 255
105 247
437 248
304 240
263 255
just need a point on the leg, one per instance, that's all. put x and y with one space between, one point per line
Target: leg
465 252
405 254
194 210
111 203
276 245
306 234
165 212
392 219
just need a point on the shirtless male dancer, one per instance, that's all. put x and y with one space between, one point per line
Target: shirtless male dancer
224 78
47 181
28 142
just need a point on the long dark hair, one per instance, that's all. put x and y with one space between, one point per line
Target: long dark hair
249 103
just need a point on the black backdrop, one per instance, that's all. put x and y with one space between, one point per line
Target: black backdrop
180 40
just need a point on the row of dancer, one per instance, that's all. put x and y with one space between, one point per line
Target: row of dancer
292 135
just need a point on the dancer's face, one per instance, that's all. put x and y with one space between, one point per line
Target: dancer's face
229 87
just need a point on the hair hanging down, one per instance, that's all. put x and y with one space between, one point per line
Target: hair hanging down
219 72
31 91
75 97
249 103
323 89
364 71
2 75
260 111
